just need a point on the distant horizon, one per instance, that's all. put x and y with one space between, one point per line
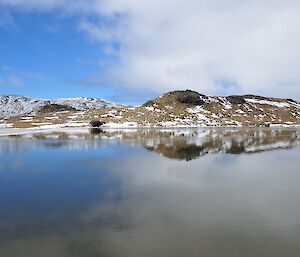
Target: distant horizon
141 102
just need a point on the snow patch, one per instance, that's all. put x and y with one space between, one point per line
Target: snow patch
273 103
149 108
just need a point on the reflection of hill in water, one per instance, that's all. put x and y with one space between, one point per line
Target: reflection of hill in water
197 144
183 151
186 144
186 149
179 151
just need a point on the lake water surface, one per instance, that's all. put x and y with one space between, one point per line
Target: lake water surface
146 193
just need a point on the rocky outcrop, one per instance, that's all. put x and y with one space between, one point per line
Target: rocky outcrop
96 124
236 99
189 97
56 108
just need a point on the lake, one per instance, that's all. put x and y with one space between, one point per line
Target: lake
146 193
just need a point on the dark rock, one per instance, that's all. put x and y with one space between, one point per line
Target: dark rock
96 123
256 97
236 99
291 100
190 97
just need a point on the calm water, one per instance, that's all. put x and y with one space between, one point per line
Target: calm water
210 193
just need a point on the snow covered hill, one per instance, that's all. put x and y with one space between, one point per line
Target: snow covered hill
85 103
173 109
11 105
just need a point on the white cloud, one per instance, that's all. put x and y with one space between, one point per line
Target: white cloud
12 80
197 44
14 77
6 20
15 81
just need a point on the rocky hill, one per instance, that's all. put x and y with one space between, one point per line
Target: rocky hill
173 109
189 107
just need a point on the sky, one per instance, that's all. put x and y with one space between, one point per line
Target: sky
130 51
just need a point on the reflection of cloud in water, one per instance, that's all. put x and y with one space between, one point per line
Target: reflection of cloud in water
248 207
136 203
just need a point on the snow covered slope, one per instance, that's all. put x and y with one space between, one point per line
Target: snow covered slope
85 103
11 105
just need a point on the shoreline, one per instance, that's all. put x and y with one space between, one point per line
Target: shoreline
23 131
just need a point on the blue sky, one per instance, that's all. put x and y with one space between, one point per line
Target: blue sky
130 51
43 54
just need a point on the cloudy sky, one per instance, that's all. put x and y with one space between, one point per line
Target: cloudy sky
132 50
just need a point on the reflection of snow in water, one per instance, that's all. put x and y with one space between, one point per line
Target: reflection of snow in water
172 143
